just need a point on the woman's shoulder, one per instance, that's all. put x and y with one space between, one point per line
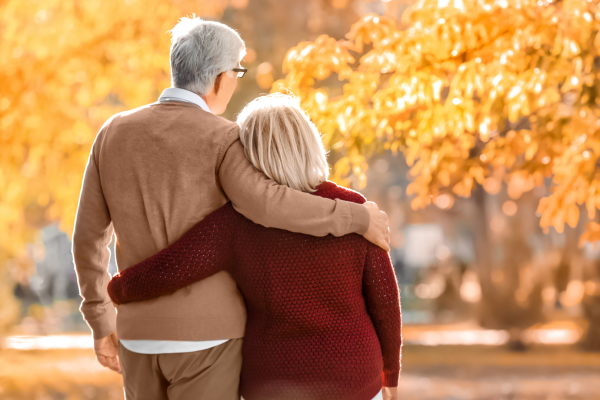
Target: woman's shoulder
330 190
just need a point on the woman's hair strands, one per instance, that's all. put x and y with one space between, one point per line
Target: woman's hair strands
280 140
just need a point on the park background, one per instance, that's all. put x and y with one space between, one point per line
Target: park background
472 123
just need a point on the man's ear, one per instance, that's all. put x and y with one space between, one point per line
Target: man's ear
218 82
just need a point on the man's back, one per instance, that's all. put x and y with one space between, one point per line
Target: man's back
158 170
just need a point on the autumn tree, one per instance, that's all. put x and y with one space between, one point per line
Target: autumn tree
65 68
471 92
474 93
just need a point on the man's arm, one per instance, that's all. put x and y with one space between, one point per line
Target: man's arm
267 203
91 237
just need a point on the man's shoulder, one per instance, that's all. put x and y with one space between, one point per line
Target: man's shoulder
195 115
190 111
219 121
127 115
187 115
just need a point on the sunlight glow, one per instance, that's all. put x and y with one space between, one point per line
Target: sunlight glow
50 342
489 337
552 336
458 338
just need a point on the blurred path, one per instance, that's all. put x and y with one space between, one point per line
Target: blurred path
428 335
429 372
56 374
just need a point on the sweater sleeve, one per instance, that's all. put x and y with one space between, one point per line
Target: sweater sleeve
269 204
91 237
381 294
201 252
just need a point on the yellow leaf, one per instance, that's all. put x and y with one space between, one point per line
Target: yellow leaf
573 215
558 221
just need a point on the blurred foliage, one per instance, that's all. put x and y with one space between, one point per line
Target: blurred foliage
10 310
471 91
59 65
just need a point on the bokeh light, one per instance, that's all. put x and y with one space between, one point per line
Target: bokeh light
509 208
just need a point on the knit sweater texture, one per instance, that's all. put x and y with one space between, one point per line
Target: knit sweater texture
324 319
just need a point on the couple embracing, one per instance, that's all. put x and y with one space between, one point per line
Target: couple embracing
243 270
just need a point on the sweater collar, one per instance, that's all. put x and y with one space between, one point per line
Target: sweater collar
178 94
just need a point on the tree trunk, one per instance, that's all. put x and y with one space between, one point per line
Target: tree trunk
483 258
591 340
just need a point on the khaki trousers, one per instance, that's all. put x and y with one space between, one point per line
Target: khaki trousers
211 374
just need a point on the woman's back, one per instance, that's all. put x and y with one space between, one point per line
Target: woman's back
315 308
302 278
307 318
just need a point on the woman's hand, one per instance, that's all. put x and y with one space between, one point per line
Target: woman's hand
390 393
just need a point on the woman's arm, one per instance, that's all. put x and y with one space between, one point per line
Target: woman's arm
203 251
380 291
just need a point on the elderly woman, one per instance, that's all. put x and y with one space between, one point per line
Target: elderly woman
323 312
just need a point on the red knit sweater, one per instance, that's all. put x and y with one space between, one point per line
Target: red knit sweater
323 312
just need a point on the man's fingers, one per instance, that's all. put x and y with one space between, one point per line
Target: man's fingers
370 204
384 245
386 237
104 361
115 365
390 393
379 228
107 352
111 363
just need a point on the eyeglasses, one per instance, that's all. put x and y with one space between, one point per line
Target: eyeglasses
240 71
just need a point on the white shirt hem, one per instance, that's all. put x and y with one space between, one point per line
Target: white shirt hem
168 346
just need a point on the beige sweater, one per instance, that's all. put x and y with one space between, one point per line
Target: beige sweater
152 174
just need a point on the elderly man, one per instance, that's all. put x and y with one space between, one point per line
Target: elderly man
152 174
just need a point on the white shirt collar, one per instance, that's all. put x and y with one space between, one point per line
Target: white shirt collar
177 94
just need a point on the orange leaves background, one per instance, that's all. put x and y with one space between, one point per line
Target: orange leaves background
65 68
472 92
60 65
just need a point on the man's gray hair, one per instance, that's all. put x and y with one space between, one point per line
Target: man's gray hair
200 51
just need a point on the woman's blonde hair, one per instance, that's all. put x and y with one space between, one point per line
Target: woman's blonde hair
280 140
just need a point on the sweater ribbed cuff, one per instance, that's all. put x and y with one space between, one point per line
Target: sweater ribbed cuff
391 379
105 325
360 218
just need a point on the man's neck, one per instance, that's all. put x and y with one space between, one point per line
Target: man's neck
174 93
206 99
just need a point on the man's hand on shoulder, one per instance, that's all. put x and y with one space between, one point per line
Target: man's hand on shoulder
390 393
379 227
106 350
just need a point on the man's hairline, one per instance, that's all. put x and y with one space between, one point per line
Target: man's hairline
226 71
